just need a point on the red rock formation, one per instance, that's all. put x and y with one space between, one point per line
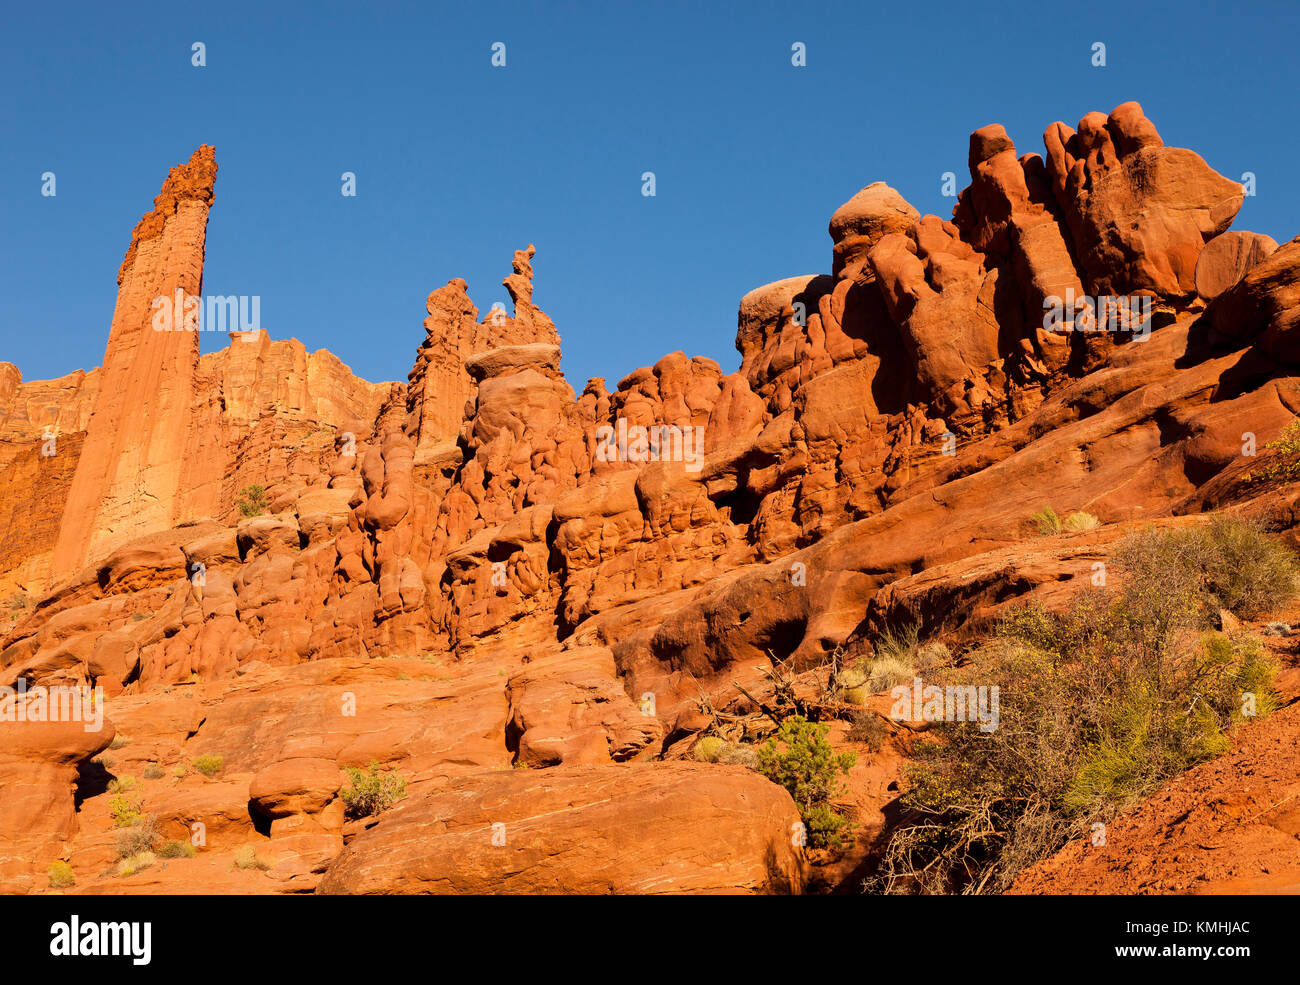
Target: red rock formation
128 479
465 573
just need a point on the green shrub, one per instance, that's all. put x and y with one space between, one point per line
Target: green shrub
371 791
246 858
1047 522
1284 464
125 811
252 500
1098 706
1247 571
1230 563
177 849
61 875
800 759
208 765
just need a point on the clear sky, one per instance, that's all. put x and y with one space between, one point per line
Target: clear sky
459 163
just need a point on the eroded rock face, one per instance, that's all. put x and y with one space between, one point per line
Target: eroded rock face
1140 212
480 569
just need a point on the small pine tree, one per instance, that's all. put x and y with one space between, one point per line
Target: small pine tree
800 759
252 500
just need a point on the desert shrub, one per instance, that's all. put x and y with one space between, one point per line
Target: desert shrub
1098 706
1246 570
122 784
899 643
708 748
179 770
252 500
714 749
119 741
246 858
738 754
136 863
1284 463
1047 522
932 654
61 875
208 764
125 811
800 759
899 654
154 772
853 684
371 791
139 838
887 673
1231 563
1076 522
177 849
869 729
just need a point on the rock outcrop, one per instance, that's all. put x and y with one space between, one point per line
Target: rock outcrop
589 830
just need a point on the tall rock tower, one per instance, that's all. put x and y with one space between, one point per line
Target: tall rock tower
128 478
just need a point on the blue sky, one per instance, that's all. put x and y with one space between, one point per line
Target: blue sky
459 163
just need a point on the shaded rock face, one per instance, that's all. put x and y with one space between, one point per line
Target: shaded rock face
480 569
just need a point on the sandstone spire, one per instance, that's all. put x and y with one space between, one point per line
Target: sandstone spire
439 385
127 479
